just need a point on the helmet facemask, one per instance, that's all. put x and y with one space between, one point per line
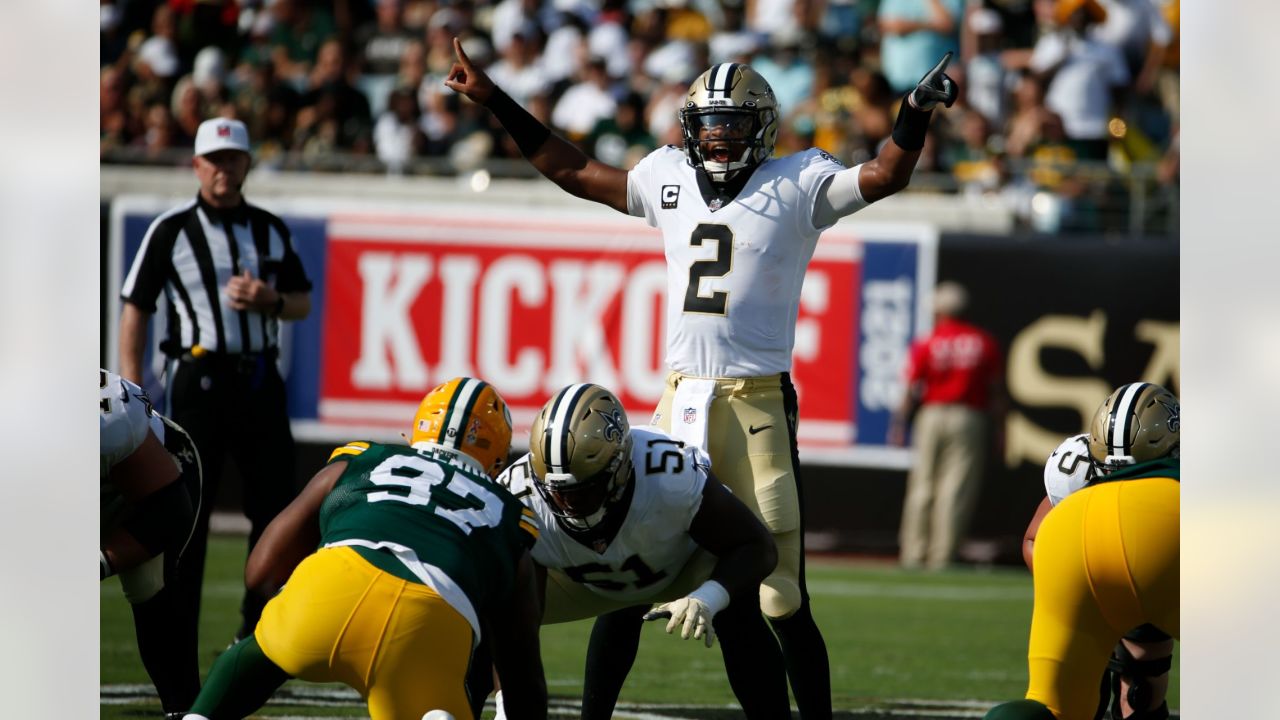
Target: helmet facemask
723 141
729 121
582 504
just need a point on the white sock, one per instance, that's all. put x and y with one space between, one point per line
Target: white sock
501 711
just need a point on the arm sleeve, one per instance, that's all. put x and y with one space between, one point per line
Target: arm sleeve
838 196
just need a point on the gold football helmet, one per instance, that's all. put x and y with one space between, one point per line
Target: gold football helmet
1139 422
469 416
729 120
580 448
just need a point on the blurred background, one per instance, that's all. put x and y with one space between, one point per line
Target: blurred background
1068 119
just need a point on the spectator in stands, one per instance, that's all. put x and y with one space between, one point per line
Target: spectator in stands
1085 78
975 163
209 74
586 102
989 82
954 389
297 31
518 70
622 139
333 99
383 41
397 137
789 72
914 34
113 114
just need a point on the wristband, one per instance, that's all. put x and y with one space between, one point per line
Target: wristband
910 127
524 128
713 594
104 566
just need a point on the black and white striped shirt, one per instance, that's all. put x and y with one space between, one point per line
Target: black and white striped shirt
191 252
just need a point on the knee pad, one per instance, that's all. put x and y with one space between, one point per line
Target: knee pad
779 597
141 583
1138 672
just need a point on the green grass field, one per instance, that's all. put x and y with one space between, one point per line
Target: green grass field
902 645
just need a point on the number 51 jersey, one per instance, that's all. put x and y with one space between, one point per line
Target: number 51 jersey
734 273
640 545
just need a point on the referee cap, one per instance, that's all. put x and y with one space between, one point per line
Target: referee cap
221 134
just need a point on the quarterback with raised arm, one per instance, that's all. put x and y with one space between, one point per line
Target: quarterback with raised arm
739 227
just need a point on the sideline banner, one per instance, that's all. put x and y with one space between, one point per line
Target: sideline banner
406 297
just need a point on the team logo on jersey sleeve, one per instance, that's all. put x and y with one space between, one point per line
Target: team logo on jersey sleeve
670 196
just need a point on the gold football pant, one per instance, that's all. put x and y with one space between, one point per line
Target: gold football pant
398 643
751 438
1106 561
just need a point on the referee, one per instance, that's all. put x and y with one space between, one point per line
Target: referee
230 274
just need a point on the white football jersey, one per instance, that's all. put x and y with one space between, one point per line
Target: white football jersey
651 545
1068 469
124 417
734 274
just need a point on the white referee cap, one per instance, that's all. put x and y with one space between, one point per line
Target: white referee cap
221 134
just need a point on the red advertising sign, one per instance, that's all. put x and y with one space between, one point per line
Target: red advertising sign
533 304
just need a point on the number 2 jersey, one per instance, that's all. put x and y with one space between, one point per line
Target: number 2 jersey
733 274
643 541
428 516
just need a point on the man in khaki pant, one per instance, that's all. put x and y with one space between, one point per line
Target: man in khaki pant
953 382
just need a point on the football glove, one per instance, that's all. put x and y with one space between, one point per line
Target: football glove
935 87
694 612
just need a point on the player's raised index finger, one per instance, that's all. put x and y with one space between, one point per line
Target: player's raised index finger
462 54
942 64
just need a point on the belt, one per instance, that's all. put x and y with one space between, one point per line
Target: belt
245 362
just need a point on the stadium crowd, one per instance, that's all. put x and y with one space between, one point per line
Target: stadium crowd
1063 101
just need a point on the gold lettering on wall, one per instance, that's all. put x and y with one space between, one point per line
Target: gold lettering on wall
1030 385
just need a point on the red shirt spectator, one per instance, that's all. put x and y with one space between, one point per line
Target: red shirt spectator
957 363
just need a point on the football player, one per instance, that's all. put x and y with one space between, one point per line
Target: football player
1107 558
630 517
739 228
418 551
149 476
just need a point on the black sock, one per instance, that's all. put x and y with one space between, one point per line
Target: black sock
615 638
480 677
752 661
168 651
807 666
242 680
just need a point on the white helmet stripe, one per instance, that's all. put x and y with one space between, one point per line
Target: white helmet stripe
721 77
558 428
1122 414
459 410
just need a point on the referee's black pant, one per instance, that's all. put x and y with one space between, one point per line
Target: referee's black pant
233 405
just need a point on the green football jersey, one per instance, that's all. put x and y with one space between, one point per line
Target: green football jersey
420 513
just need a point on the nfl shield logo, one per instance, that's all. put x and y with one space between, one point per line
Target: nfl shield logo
690 415
715 204
224 131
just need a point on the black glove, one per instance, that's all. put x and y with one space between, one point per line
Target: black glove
935 87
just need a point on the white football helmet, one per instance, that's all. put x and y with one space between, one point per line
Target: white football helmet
729 120
580 453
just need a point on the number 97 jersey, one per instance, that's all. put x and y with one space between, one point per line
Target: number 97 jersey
643 541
